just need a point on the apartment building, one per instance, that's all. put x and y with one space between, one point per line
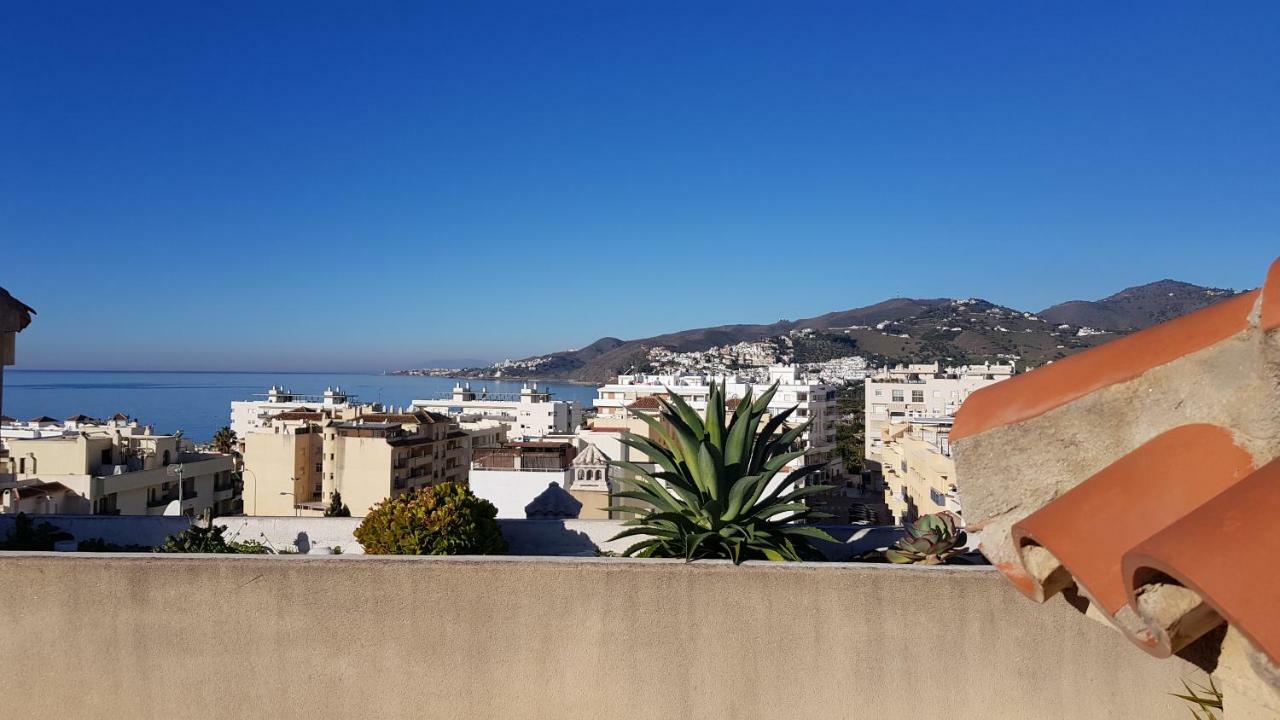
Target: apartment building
109 467
250 415
511 475
813 401
531 413
916 465
297 461
908 411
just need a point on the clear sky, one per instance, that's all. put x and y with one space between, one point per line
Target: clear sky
370 185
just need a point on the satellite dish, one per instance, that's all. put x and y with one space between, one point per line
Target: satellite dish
171 510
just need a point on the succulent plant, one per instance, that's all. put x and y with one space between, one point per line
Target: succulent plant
711 496
930 540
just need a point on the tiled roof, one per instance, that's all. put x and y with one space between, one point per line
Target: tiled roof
648 402
298 415
1144 473
420 417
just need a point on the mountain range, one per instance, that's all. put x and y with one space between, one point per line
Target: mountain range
902 330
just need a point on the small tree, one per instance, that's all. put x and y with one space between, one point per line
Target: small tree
446 519
337 508
224 441
202 537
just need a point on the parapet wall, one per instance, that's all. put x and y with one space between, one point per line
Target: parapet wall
150 636
321 535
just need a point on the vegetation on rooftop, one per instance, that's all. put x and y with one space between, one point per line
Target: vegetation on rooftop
205 537
336 507
32 536
1206 702
445 519
930 540
716 493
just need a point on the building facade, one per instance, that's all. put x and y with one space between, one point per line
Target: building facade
250 415
814 402
532 413
295 464
109 467
512 475
908 411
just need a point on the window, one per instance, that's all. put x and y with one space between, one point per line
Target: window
897 396
879 392
165 460
106 456
917 396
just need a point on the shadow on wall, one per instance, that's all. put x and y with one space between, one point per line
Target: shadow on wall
546 537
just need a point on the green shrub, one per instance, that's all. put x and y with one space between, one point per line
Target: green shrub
27 535
201 537
100 545
446 519
710 496
250 547
205 537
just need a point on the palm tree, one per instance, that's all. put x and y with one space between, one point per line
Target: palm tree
224 441
711 497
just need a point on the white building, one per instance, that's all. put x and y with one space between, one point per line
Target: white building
814 401
251 415
530 414
908 411
512 475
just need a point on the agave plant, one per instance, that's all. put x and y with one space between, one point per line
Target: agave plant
931 540
716 493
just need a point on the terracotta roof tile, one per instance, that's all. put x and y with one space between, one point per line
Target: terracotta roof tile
1025 396
1270 317
1143 473
1224 551
1090 527
648 402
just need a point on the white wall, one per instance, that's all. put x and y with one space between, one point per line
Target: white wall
511 490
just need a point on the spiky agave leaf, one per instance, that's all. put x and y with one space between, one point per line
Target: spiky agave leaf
712 496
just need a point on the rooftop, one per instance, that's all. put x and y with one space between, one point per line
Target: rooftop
1152 455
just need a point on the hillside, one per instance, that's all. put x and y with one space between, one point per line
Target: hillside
1136 307
900 330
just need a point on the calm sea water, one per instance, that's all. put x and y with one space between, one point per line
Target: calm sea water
199 403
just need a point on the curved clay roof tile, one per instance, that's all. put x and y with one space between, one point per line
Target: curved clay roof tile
1131 471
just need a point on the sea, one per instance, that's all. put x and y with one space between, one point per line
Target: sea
198 403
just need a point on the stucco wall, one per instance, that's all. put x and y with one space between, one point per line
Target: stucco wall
305 534
363 637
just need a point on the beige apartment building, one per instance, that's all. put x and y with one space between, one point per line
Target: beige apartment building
919 474
295 463
908 411
112 467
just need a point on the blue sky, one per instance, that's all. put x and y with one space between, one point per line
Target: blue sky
331 186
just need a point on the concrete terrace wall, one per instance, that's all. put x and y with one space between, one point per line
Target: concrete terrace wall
313 534
147 636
